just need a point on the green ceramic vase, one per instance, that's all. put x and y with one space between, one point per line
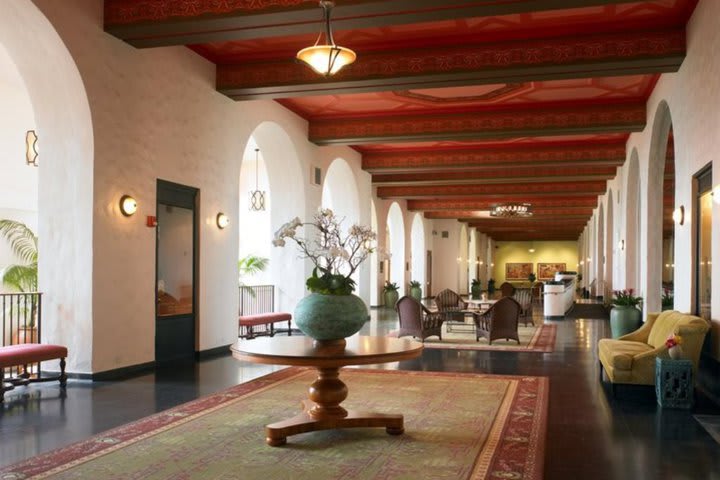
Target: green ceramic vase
416 293
391 298
330 317
623 320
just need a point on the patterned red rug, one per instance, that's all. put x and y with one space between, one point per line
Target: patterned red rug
457 426
534 339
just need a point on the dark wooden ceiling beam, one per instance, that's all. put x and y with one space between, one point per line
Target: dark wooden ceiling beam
486 202
519 191
538 213
539 120
155 23
505 175
528 237
481 157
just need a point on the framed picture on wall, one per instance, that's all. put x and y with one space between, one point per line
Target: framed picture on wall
546 271
518 271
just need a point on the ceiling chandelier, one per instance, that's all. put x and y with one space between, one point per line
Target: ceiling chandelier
511 210
326 58
257 196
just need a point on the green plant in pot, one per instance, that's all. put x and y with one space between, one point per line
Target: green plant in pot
491 286
22 277
331 312
415 290
476 288
532 277
390 292
667 301
625 317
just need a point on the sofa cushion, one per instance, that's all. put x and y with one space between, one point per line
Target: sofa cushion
666 324
619 353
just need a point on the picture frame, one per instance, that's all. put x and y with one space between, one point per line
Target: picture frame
546 271
518 271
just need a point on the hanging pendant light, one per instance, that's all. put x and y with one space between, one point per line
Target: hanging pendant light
257 196
328 58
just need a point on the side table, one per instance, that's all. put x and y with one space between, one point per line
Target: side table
674 383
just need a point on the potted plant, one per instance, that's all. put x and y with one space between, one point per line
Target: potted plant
532 277
23 277
491 286
415 290
390 292
625 316
667 300
476 288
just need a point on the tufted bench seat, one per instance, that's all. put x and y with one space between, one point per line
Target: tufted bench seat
26 353
248 323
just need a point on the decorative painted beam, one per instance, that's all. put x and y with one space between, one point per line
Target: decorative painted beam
614 54
538 214
154 23
501 175
485 203
527 237
539 120
534 155
517 191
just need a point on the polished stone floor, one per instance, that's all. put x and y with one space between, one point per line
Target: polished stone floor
590 434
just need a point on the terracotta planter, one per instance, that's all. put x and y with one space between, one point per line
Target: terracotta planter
330 317
623 320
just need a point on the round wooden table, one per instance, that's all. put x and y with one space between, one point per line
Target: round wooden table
323 411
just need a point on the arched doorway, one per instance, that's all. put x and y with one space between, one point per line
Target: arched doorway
632 224
609 246
463 283
396 246
600 254
417 238
66 215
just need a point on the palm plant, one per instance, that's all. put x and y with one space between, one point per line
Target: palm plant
23 242
250 265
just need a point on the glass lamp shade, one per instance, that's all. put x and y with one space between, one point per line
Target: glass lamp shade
326 59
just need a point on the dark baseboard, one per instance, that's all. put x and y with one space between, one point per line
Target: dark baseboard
220 351
115 374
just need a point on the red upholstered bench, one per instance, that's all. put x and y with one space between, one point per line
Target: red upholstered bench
247 324
26 353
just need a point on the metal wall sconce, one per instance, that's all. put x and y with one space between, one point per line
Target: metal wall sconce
128 205
222 220
621 245
678 215
31 148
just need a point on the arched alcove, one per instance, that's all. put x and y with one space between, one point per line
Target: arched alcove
599 259
65 177
632 198
396 246
287 201
417 238
462 260
374 259
660 200
255 226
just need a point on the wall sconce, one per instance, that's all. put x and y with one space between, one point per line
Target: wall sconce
482 263
621 245
459 259
492 264
582 262
31 148
589 260
531 250
678 215
128 205
222 220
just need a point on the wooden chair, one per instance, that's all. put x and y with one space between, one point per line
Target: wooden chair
451 306
417 320
524 297
507 290
500 321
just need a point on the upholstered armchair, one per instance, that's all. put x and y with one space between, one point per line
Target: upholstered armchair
524 298
416 320
500 321
507 289
631 358
451 306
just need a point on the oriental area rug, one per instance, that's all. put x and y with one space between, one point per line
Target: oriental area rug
536 339
457 426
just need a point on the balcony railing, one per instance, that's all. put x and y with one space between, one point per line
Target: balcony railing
256 299
21 320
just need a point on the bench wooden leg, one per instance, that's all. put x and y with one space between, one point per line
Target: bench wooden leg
289 329
63 376
272 329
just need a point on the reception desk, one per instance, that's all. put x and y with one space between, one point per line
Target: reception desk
559 296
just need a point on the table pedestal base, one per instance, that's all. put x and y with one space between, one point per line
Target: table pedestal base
323 412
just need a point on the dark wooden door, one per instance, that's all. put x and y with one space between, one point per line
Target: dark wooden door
176 271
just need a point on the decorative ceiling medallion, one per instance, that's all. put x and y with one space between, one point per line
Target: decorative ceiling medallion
501 91
511 210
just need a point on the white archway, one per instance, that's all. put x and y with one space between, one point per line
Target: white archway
374 259
396 246
609 246
65 178
600 253
463 283
287 201
632 198
417 238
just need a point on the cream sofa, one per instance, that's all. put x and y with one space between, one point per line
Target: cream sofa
631 358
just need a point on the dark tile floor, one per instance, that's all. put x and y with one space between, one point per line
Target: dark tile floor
590 434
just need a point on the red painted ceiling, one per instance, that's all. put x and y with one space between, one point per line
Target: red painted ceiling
561 63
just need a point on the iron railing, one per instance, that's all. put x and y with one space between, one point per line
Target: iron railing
256 299
21 319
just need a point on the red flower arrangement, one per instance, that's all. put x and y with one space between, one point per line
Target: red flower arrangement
673 340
